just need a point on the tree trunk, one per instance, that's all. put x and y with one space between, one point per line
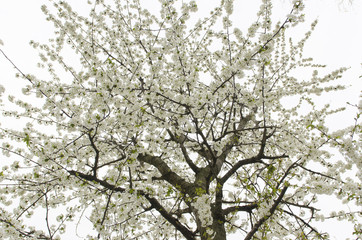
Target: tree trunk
219 230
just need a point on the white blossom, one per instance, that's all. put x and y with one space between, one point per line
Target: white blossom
155 126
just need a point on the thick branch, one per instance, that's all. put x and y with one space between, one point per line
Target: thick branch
180 140
93 178
174 221
265 218
96 157
154 203
167 174
245 208
255 159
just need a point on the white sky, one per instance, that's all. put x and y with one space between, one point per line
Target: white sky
337 41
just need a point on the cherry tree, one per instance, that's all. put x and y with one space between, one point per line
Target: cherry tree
154 126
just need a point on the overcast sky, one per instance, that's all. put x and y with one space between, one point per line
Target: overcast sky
336 42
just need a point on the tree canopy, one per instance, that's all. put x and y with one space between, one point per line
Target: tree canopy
156 126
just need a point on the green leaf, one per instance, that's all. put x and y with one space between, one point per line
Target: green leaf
27 139
271 169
